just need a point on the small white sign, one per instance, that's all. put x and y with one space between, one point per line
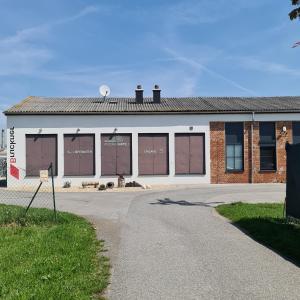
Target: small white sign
44 175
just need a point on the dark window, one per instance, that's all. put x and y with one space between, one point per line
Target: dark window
296 132
41 151
79 154
153 154
267 146
234 135
115 154
189 153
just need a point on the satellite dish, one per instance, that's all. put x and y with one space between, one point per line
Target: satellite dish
104 90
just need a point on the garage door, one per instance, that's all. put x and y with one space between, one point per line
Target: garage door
41 151
115 154
153 154
79 154
189 153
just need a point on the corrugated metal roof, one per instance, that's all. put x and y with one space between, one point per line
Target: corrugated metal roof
88 105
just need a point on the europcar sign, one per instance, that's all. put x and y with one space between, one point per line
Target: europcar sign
14 171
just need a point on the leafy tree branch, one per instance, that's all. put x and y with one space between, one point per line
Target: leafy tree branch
295 13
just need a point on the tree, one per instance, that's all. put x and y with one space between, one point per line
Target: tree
295 13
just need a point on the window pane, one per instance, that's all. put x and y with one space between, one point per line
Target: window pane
296 132
267 132
238 150
230 163
234 133
230 150
268 158
238 163
234 145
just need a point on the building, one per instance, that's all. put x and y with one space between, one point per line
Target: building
152 140
3 155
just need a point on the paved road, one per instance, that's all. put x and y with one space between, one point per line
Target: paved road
172 245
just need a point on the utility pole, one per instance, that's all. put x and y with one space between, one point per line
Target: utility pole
2 139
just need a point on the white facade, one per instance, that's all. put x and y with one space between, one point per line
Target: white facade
133 124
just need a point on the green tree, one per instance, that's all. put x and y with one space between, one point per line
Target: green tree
295 13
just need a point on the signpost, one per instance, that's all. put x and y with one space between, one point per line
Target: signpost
44 175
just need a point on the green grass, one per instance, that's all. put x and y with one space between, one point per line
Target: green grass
265 224
43 259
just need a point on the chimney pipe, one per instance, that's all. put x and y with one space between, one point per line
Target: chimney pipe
139 97
156 94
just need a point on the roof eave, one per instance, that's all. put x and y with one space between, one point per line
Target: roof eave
7 113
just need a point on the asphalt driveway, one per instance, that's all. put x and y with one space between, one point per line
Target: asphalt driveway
171 244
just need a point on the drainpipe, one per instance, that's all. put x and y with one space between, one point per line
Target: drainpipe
252 164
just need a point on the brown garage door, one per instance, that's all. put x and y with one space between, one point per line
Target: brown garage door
189 153
79 154
41 151
153 154
115 154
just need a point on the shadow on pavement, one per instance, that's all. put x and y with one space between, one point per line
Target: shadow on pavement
168 201
275 234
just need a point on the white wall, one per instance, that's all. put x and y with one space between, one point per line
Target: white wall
135 124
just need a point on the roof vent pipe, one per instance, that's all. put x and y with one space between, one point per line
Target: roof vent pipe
156 94
139 94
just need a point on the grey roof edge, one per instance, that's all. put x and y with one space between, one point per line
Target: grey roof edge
151 113
18 104
170 105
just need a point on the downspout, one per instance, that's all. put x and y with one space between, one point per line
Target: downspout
252 164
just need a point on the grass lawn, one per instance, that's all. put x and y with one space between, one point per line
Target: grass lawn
265 224
43 259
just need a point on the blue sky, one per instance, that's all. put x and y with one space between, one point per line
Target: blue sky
188 47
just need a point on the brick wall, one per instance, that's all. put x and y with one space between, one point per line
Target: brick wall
217 152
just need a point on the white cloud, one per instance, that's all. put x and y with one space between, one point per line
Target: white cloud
201 67
84 12
204 11
25 35
86 77
195 57
252 63
21 52
24 59
39 31
175 79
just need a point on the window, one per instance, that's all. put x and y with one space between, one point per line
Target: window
79 154
153 154
267 146
189 153
234 135
296 132
41 151
115 154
